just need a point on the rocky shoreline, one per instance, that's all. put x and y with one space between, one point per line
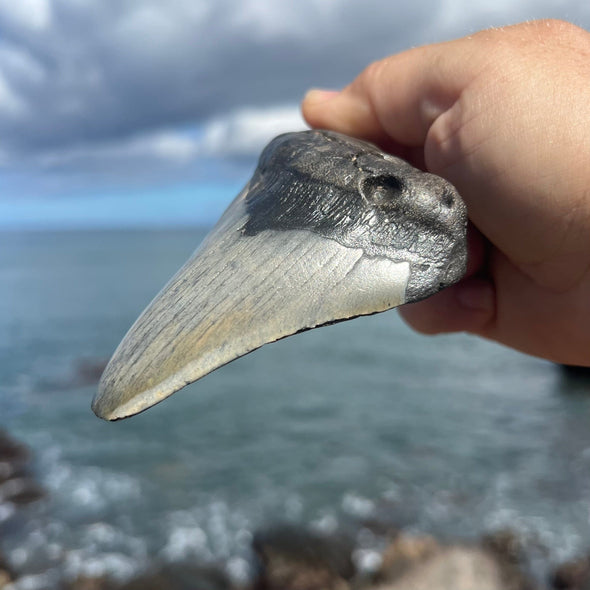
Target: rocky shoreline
294 558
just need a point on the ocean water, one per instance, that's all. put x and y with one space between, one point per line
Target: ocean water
360 421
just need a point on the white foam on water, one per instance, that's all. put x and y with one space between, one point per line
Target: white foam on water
327 523
502 506
293 507
51 543
46 580
358 506
90 489
114 565
209 532
80 532
561 543
6 511
96 550
185 542
239 570
367 561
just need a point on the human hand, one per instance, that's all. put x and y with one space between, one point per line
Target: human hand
505 116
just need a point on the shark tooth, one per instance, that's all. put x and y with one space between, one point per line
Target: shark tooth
329 228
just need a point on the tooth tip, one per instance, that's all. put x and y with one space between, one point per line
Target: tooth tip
106 403
110 412
100 407
121 395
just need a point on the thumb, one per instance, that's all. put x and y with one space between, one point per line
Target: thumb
468 306
395 101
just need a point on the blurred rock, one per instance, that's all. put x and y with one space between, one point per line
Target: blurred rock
85 583
6 574
169 577
4 579
83 372
450 568
20 491
404 553
506 544
573 575
508 549
16 482
17 487
181 577
296 559
380 528
421 562
88 371
11 452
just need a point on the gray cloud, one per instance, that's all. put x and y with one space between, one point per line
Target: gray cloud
111 84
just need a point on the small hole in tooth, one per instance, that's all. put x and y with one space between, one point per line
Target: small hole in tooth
382 189
447 199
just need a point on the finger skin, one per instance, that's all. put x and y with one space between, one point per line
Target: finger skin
469 305
505 116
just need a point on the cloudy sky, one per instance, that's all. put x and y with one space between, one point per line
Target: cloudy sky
142 112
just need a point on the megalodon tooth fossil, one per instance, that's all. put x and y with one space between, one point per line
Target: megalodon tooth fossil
328 228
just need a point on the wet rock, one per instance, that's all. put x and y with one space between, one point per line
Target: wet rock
86 583
16 483
181 577
169 577
451 568
509 552
573 575
88 371
404 553
505 544
10 470
6 574
4 579
20 491
380 528
11 452
17 487
296 559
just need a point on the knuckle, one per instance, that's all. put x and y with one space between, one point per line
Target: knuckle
372 74
557 27
553 32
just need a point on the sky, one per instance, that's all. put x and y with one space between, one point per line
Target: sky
125 113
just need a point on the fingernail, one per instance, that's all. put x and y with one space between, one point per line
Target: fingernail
476 295
318 95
